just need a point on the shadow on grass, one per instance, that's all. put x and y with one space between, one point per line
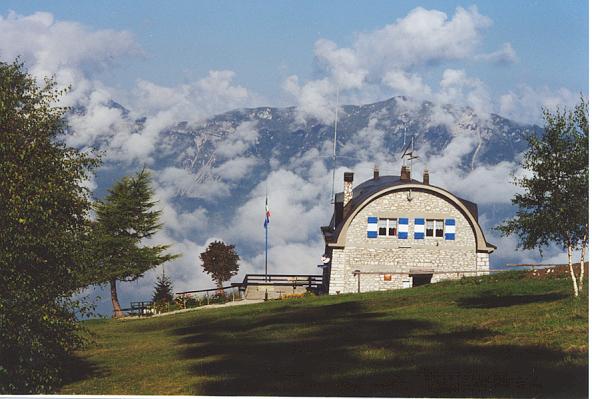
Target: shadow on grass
499 301
79 369
344 350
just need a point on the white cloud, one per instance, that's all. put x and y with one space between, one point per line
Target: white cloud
505 55
390 61
525 103
296 207
459 89
315 99
235 169
295 258
343 63
67 49
407 84
181 182
75 53
487 184
99 122
423 37
190 102
236 143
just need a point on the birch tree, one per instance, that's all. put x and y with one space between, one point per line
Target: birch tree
553 204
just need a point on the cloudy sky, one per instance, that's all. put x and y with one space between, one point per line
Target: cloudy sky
188 60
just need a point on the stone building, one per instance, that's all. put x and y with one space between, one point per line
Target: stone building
395 232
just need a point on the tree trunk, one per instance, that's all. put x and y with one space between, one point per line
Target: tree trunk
220 291
117 313
582 257
571 271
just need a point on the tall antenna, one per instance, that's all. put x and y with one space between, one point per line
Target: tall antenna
404 143
411 156
335 148
405 120
408 154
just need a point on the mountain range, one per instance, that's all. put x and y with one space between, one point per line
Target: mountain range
212 176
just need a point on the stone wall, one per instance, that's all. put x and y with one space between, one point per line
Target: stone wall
396 257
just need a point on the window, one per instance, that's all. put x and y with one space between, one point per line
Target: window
434 228
387 227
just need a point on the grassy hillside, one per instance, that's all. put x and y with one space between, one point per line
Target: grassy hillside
503 335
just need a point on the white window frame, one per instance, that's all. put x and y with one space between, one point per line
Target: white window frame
430 224
389 224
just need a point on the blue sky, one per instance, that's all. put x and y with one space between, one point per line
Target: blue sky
264 42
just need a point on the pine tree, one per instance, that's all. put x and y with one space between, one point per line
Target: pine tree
553 207
124 219
163 290
220 261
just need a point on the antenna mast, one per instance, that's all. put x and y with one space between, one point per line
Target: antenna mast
335 148
408 155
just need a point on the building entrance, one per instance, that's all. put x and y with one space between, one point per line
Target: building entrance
420 279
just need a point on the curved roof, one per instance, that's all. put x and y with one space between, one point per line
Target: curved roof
374 188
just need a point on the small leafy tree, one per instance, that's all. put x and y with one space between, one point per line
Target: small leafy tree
554 205
220 261
163 290
43 212
581 182
124 219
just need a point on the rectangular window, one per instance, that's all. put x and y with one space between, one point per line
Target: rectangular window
439 228
381 227
387 227
392 227
429 228
434 228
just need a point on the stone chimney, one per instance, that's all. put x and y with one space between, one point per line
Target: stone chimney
405 173
376 172
426 176
348 187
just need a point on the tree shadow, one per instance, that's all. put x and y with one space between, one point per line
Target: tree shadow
499 301
344 350
79 369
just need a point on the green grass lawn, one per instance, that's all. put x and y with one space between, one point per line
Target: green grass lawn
504 335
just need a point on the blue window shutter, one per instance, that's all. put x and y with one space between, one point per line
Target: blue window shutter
419 229
372 230
403 228
449 229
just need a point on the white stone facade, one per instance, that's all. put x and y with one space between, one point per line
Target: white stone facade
386 262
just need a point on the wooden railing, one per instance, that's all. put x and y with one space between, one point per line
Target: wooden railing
311 281
206 290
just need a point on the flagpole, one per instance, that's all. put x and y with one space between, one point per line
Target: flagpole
266 224
266 228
